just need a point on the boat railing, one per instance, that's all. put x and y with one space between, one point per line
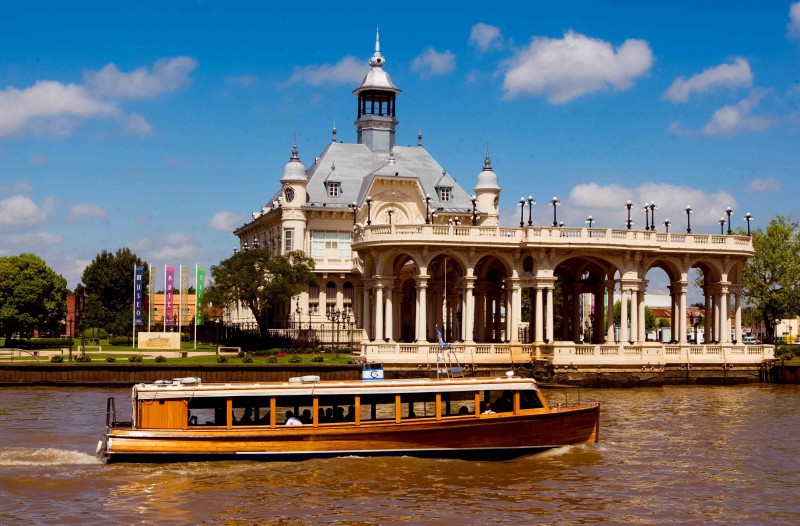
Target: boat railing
111 416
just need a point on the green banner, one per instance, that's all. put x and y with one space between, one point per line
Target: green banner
199 290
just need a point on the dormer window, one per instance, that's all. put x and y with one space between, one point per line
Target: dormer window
334 188
444 194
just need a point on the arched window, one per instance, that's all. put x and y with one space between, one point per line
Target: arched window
330 296
313 299
349 297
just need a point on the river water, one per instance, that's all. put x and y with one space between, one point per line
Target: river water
675 455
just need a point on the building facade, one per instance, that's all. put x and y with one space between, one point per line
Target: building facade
407 253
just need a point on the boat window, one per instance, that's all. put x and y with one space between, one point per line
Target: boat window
336 409
377 407
299 407
499 401
251 411
207 412
530 400
458 404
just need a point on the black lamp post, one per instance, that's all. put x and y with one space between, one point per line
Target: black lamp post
629 205
354 207
299 312
369 210
391 211
256 244
688 211
69 322
428 209
521 211
666 225
653 215
721 225
474 201
589 220
646 211
246 245
554 202
729 212
748 218
531 202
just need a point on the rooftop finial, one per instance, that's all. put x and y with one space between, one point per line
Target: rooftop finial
419 138
334 131
487 164
377 60
294 148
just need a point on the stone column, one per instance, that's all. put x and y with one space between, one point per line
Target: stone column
538 318
469 312
682 285
389 315
480 314
549 323
379 336
365 317
610 332
724 318
516 303
642 318
422 314
623 315
737 309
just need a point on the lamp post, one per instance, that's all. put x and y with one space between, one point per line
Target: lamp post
256 244
69 322
521 211
299 312
629 205
729 212
354 207
721 225
474 201
369 210
688 211
748 218
531 202
428 209
653 215
391 211
695 322
666 225
646 210
554 202
589 220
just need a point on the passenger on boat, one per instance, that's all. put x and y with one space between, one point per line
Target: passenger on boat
351 414
264 420
487 409
247 418
291 420
338 414
321 416
192 419
306 417
463 410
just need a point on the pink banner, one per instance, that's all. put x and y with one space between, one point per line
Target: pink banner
169 287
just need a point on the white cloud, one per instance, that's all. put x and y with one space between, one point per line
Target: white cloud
34 241
167 76
21 212
432 63
485 37
49 107
83 212
37 158
760 185
175 247
346 70
793 27
731 76
607 205
225 221
563 69
731 120
675 128
16 187
137 124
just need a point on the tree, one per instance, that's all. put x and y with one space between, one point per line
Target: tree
32 296
109 284
772 277
649 316
259 281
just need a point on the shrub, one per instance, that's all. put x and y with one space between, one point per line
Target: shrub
295 358
317 359
83 358
96 332
57 358
120 340
40 343
247 358
161 359
272 359
135 358
111 359
222 359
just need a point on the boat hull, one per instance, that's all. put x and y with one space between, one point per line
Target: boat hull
493 437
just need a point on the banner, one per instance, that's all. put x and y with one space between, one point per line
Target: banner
138 294
152 291
200 289
169 287
184 308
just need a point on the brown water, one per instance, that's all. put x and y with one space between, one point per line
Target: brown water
677 455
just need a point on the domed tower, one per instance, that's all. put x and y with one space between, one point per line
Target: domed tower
293 218
488 193
376 106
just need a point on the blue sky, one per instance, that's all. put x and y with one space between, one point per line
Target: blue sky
162 128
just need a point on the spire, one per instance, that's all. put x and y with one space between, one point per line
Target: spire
419 138
294 156
487 163
334 131
377 60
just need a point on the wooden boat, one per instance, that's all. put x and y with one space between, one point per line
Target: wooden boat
488 418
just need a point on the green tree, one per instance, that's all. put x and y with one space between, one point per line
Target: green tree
32 296
649 316
259 281
772 277
108 281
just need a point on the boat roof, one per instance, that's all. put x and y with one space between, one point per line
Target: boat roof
311 385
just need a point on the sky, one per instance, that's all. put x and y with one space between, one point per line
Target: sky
161 126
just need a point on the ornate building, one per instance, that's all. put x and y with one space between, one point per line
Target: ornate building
401 247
